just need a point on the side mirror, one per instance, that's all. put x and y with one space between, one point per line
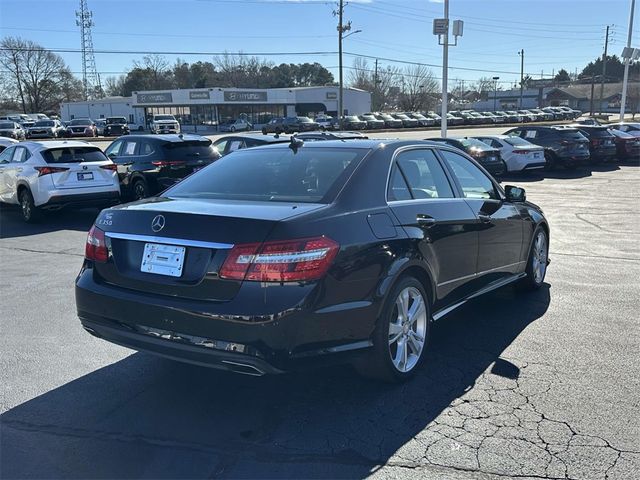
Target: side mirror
112 155
515 194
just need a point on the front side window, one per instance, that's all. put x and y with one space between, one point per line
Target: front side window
114 149
5 156
423 175
474 183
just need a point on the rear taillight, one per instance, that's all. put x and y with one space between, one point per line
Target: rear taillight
112 166
96 248
48 170
520 152
166 163
595 141
280 261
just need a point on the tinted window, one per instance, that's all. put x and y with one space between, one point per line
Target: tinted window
570 135
114 148
598 133
308 175
5 156
189 149
44 123
517 142
398 189
73 155
7 125
220 145
474 183
146 148
424 175
128 148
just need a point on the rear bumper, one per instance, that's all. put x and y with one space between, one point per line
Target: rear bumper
273 329
96 199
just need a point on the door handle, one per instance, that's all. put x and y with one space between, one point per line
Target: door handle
484 218
425 221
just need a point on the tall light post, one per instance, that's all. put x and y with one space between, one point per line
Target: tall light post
628 55
495 91
441 28
521 53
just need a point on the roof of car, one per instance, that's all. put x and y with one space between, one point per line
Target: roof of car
360 143
332 135
633 124
7 141
56 144
170 137
259 136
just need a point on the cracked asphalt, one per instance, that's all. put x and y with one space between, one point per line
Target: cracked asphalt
516 385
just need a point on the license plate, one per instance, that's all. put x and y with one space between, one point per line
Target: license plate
536 155
162 259
85 176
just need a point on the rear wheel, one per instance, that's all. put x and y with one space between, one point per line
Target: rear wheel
537 261
401 334
140 189
30 213
233 129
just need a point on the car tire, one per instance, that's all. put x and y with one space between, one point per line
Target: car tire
232 129
30 213
264 131
278 131
399 340
139 189
537 261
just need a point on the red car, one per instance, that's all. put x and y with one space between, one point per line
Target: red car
81 127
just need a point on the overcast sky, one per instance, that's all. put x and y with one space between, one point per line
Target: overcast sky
554 33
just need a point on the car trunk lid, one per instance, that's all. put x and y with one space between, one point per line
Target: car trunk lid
195 234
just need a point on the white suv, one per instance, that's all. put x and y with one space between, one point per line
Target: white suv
164 124
51 175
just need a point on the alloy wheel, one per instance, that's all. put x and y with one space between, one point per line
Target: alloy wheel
539 257
407 329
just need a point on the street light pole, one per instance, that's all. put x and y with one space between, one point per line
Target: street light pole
341 29
625 79
521 53
495 91
445 72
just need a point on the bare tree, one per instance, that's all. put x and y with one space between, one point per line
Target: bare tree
419 89
382 84
38 78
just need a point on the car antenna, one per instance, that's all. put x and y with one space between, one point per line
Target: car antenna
296 143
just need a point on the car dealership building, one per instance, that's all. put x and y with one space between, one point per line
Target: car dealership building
206 107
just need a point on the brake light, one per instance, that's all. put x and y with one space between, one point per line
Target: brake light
280 261
96 247
112 166
595 141
520 152
48 170
167 163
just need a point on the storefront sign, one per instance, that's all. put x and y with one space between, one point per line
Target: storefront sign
199 95
331 95
245 96
164 97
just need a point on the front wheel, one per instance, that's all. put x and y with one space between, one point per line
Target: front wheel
537 261
140 189
30 213
401 334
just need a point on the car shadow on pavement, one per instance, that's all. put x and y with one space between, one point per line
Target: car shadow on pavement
12 225
147 417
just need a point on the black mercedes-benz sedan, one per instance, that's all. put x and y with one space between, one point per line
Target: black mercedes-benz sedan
279 257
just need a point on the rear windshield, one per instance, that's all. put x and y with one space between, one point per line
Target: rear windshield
73 155
517 142
598 132
44 123
189 150
570 134
472 142
80 121
620 134
310 175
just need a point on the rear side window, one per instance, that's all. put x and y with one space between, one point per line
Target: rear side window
189 150
424 175
73 155
309 175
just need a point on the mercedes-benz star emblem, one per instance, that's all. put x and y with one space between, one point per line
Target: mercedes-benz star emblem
157 223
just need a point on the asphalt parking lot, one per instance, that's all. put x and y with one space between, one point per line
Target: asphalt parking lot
516 385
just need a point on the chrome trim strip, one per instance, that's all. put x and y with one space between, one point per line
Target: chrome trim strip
169 241
479 273
441 313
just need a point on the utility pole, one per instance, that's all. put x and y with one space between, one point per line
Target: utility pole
341 29
604 67
625 80
591 102
495 91
375 88
521 53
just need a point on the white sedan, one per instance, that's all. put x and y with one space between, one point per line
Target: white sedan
6 142
517 153
51 175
